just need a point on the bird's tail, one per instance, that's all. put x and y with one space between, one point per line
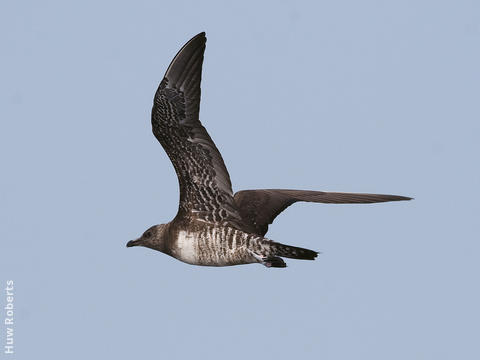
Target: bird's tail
293 252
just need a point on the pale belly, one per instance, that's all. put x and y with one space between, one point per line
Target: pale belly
212 248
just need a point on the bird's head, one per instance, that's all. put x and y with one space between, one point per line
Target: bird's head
152 238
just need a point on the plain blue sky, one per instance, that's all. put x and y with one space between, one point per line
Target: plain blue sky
360 96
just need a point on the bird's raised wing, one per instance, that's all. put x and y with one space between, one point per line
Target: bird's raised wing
205 188
259 208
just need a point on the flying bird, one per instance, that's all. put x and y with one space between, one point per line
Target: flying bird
214 226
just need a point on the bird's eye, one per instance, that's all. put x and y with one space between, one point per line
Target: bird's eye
147 234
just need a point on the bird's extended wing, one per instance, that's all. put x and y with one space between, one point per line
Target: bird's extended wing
205 188
259 208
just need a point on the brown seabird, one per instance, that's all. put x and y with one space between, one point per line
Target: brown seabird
214 227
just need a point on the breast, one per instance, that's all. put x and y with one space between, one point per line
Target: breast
186 248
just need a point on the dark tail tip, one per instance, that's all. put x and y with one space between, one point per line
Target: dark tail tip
308 254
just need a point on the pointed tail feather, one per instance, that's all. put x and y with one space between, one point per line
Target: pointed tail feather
293 252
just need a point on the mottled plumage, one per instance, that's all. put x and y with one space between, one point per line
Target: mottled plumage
213 227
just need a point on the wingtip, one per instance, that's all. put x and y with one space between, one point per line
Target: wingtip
400 198
198 39
201 35
179 65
